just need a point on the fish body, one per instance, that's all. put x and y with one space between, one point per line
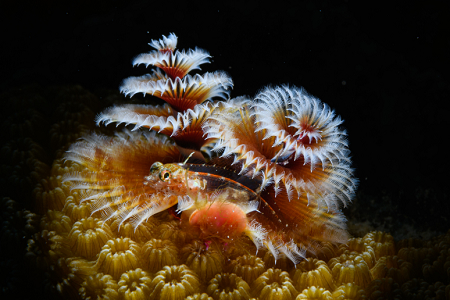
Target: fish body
219 207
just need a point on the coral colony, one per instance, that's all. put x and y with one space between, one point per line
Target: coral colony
275 168
207 197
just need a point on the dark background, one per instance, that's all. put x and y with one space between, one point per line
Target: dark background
383 68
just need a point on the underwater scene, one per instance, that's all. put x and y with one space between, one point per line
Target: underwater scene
208 199
178 185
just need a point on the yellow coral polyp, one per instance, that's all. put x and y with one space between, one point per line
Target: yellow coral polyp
61 167
159 253
141 234
392 267
228 286
274 284
88 236
381 242
135 285
281 262
358 246
56 221
174 282
249 267
76 211
51 199
71 273
313 293
199 296
328 251
239 247
117 256
349 291
350 269
313 272
206 263
99 286
172 231
416 257
53 245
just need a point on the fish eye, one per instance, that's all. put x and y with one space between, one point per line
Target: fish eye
155 167
164 175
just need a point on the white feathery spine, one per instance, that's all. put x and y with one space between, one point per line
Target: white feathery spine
188 60
148 212
217 83
250 206
126 114
184 203
169 42
291 251
273 248
257 233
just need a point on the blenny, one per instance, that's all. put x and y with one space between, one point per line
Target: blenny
215 205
